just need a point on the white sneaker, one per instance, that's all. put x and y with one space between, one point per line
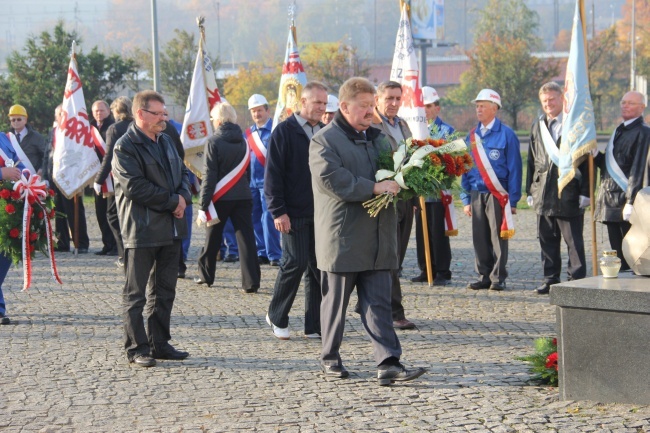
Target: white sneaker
281 333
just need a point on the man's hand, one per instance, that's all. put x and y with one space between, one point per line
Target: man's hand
10 173
283 223
389 186
583 201
201 218
513 210
627 211
179 212
468 210
529 201
98 188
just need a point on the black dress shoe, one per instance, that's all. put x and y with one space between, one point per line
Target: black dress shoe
441 281
478 285
181 275
497 286
142 360
397 373
422 278
82 251
102 252
62 249
262 260
231 258
544 289
112 252
4 320
168 352
251 290
335 371
274 263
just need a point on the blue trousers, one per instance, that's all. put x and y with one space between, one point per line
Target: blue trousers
267 237
5 264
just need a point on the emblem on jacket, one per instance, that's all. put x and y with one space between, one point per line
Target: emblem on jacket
494 154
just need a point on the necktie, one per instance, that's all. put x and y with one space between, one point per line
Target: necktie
484 130
18 137
551 128
619 129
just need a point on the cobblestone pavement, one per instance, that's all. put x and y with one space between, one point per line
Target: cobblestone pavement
63 369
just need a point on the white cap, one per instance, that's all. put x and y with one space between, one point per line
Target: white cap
256 100
488 95
429 95
332 104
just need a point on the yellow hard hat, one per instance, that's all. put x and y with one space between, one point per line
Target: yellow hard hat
17 110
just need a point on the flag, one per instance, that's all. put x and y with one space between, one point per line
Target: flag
75 162
204 95
578 127
291 83
405 71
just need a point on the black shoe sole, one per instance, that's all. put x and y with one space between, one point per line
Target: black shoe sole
388 381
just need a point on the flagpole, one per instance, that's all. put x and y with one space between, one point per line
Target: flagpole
75 228
425 237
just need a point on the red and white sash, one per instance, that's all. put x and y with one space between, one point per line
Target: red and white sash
19 152
223 186
451 223
108 188
492 182
255 143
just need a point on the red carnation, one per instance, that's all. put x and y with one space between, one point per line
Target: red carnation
555 342
33 236
10 208
551 361
15 195
435 160
51 192
450 165
40 215
14 233
31 199
5 194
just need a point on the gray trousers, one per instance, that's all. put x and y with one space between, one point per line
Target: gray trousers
491 251
373 290
551 230
404 226
151 275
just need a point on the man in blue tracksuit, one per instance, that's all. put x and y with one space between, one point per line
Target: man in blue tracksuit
488 215
267 237
7 173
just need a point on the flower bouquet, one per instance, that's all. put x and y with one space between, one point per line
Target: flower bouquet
422 168
26 207
544 361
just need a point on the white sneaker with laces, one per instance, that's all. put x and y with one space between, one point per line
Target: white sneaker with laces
281 333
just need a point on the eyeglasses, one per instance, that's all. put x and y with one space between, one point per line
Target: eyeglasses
156 113
17 119
625 103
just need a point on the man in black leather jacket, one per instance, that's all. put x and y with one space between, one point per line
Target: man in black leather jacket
152 190
557 217
629 149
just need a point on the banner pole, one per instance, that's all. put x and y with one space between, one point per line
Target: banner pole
425 236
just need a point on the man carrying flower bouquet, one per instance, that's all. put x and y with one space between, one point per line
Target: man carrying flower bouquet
353 248
8 173
388 100
492 189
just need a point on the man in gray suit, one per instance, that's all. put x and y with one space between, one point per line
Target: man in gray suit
343 161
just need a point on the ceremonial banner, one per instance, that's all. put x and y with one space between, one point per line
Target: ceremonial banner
204 95
75 162
291 83
405 71
578 128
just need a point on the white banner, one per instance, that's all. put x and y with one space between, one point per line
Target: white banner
406 72
292 82
75 160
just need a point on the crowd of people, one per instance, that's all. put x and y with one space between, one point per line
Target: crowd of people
291 197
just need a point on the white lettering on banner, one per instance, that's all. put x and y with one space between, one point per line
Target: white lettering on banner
87 170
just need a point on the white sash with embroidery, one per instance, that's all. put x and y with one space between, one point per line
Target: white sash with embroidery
549 144
19 152
612 166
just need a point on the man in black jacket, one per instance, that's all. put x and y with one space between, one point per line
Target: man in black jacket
289 198
152 190
557 217
621 171
102 119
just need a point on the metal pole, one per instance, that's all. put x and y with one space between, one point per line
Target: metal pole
633 49
154 47
423 63
218 32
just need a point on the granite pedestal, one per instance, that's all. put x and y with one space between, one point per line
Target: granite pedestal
603 339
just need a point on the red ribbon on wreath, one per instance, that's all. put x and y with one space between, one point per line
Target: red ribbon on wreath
34 191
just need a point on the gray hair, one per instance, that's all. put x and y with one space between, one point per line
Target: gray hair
551 86
222 113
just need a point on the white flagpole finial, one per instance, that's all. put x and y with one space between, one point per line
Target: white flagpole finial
74 48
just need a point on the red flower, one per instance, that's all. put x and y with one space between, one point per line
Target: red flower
14 233
450 165
31 199
40 215
15 195
5 194
33 236
10 208
435 160
51 192
555 342
551 361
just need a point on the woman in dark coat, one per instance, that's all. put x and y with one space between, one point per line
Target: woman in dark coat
226 156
